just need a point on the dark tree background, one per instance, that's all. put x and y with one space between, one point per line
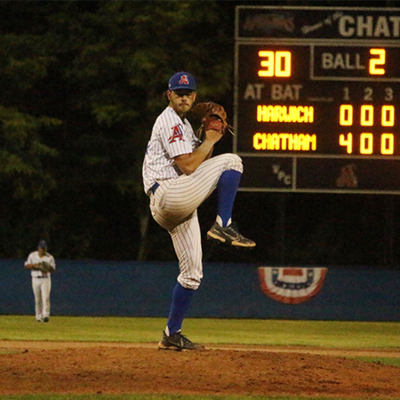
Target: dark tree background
82 83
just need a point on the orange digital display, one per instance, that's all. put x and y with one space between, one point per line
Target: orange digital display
288 114
377 64
313 99
275 63
285 141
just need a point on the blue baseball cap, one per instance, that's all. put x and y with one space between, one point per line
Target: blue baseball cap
182 80
42 244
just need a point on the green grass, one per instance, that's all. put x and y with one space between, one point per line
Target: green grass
380 360
211 331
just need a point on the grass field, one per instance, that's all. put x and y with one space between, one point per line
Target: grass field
213 331
316 334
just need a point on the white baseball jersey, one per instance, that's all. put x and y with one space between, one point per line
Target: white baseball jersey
170 138
34 258
174 204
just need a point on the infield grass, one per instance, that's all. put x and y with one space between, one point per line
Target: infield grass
334 334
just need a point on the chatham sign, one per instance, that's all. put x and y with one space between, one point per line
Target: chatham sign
369 26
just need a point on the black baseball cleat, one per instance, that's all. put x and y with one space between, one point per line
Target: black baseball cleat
229 235
178 342
46 319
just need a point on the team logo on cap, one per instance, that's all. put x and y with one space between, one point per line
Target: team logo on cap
184 80
291 285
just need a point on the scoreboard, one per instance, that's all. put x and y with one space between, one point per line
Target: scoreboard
317 95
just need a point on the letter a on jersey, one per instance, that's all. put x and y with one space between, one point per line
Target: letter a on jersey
176 134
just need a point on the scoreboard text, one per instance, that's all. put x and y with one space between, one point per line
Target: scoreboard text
317 97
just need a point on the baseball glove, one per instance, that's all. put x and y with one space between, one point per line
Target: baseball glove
212 116
45 267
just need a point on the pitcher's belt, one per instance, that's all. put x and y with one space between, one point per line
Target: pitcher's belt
154 187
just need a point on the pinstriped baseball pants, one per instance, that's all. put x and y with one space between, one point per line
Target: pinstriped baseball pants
41 290
174 207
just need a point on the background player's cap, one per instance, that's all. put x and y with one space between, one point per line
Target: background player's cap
182 80
42 244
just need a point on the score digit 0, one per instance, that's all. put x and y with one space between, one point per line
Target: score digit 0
366 115
275 63
367 143
367 119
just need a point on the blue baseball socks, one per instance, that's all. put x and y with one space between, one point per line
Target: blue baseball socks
181 299
227 188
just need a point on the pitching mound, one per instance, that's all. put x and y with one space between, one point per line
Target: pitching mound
54 367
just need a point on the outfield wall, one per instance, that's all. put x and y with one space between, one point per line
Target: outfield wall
93 288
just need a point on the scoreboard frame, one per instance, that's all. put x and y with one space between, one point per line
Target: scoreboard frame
316 99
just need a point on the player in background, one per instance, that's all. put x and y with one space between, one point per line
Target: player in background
41 279
179 174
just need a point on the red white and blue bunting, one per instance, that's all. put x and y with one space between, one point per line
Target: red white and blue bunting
291 285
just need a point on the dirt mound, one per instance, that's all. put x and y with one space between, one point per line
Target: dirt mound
54 367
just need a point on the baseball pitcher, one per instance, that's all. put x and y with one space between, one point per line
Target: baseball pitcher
179 174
